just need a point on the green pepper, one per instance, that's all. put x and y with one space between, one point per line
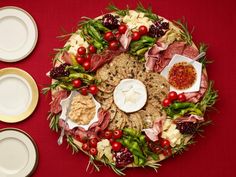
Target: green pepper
142 139
78 68
181 105
81 76
94 33
136 160
194 111
131 132
142 51
67 86
98 24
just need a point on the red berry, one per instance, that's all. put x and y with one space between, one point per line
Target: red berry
135 36
92 49
86 65
93 142
166 102
116 146
114 45
122 28
88 57
80 60
165 143
77 83
143 30
81 50
181 97
85 147
84 91
108 134
117 134
93 151
167 152
172 96
117 35
109 36
93 89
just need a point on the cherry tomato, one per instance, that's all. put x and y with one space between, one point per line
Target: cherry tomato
77 83
88 57
108 134
93 151
181 97
158 150
143 30
117 35
116 146
81 50
122 28
111 140
167 152
165 143
93 89
109 36
172 96
117 134
93 142
86 65
135 36
80 139
84 91
85 147
166 102
80 60
114 45
92 49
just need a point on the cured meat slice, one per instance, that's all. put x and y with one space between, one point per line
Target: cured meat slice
55 104
175 48
190 52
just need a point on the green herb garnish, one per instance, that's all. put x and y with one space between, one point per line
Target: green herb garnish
148 12
185 34
203 48
112 7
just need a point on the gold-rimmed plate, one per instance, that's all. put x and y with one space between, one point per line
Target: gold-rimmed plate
18 95
18 152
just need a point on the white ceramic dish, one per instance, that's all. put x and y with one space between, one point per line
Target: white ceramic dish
18 34
18 153
18 95
198 67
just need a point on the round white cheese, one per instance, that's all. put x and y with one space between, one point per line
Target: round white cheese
130 95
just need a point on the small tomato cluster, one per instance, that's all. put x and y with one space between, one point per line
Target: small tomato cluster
173 96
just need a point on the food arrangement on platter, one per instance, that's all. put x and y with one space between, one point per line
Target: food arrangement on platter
130 89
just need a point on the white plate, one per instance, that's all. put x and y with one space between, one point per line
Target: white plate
18 153
18 95
180 58
18 34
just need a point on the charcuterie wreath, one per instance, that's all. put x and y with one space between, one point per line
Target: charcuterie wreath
130 89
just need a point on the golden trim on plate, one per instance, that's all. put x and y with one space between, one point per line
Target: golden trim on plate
35 95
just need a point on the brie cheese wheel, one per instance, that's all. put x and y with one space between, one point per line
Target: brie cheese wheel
130 95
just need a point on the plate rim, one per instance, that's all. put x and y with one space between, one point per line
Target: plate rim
35 39
33 143
35 95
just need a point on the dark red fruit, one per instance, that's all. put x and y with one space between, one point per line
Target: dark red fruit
172 96
143 30
109 36
93 142
84 91
167 152
80 60
165 143
136 36
181 97
122 29
114 45
92 49
93 89
86 147
166 102
77 83
86 65
81 50
116 146
108 134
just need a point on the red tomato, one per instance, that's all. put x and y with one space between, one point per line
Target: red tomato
93 89
165 143
117 35
122 28
86 65
82 140
143 30
85 147
88 57
117 134
77 83
158 150
80 60
109 36
114 45
172 96
135 36
93 142
108 134
93 151
166 102
84 91
111 140
116 146
167 152
81 50
181 97
92 49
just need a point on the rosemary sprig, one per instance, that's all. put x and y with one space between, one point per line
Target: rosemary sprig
59 52
185 34
112 165
64 34
71 144
54 120
200 126
148 12
209 98
203 48
92 162
153 164
112 7
55 84
183 146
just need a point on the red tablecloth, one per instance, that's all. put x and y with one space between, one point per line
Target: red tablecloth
214 21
